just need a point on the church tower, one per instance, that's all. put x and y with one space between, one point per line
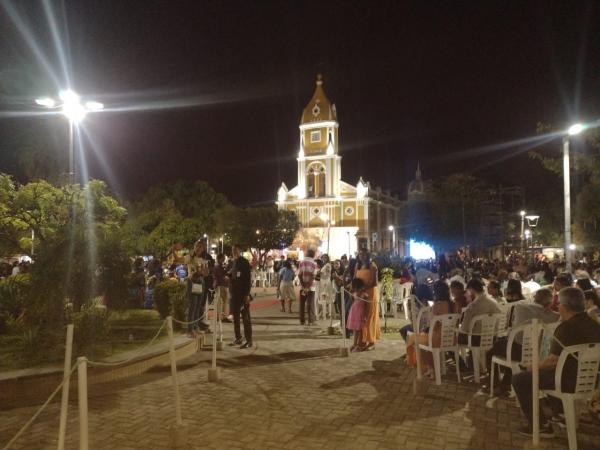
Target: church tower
341 216
319 165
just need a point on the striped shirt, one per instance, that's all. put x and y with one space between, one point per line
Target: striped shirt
306 273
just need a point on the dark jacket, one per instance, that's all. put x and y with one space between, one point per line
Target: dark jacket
240 278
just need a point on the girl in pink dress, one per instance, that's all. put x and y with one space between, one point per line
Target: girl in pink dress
357 314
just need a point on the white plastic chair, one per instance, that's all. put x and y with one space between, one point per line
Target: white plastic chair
526 352
405 293
502 326
588 361
448 343
486 332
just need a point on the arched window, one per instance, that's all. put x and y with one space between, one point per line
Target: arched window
315 180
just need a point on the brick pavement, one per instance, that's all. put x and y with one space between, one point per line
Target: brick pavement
291 392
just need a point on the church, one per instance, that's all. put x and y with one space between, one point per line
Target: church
342 216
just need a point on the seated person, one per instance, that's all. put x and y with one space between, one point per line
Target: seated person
592 304
513 292
493 290
576 328
560 282
539 309
481 304
441 305
424 295
457 289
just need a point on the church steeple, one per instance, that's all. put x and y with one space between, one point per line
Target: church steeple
319 108
416 186
319 165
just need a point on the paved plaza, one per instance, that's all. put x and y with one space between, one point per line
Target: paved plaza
292 391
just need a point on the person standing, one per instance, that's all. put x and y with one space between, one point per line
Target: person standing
366 270
198 272
286 286
306 275
221 285
240 297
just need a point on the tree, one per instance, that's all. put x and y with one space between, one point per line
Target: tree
172 213
264 228
73 229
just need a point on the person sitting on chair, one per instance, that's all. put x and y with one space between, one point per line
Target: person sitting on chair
539 309
577 327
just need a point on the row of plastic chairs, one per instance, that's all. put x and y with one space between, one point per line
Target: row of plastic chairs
588 366
587 355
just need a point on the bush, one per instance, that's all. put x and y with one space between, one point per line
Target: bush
12 299
170 298
91 330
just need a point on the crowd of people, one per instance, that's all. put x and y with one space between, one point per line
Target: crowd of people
541 290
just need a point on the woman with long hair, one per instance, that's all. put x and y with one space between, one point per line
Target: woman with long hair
366 270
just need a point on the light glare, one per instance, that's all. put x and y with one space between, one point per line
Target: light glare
74 111
94 106
46 101
68 96
421 250
575 129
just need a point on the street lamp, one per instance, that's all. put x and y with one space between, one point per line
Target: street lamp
572 131
522 214
393 230
71 107
532 222
527 236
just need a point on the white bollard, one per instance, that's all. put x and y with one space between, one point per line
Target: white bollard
82 395
535 380
64 403
414 316
174 370
213 372
344 350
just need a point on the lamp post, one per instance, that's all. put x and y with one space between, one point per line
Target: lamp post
572 131
393 230
527 236
532 222
70 106
522 214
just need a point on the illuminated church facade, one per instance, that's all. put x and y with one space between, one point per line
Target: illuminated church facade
341 215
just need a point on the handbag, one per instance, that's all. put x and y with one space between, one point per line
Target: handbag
196 288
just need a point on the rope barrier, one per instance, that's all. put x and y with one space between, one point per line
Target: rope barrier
39 411
356 297
118 363
182 322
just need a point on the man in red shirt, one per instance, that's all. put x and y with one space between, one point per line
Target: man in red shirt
306 274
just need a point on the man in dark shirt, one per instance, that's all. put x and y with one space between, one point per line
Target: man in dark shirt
576 328
240 302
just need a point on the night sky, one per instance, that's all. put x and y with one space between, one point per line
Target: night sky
411 81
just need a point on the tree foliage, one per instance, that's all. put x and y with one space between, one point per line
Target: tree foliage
77 234
264 228
171 213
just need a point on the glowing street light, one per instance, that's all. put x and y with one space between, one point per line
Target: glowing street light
522 214
572 131
575 129
70 106
393 231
